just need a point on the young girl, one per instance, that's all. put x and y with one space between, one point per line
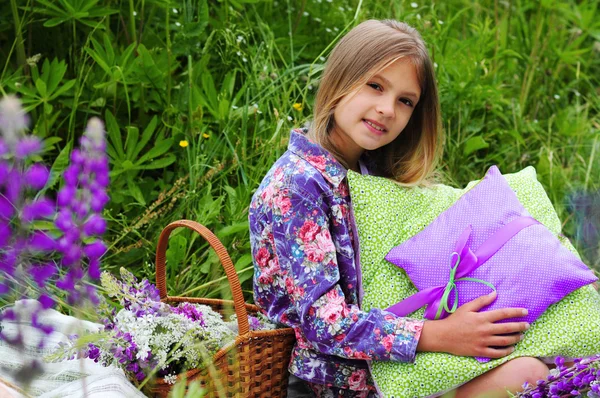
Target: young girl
376 111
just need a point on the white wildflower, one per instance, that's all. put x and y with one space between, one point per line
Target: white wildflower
171 379
556 96
440 22
12 118
414 5
177 24
175 11
305 14
290 118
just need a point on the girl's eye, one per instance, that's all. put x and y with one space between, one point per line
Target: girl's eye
406 101
374 86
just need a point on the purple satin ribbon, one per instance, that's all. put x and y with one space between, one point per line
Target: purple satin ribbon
468 262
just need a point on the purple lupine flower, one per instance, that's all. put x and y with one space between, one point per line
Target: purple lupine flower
190 311
573 381
80 203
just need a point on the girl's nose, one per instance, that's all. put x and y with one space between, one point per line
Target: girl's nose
386 107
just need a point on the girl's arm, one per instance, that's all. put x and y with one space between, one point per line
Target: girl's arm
298 276
298 281
471 333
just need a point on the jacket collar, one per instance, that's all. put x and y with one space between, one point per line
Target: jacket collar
317 156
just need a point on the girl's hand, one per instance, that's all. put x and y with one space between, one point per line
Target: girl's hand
468 332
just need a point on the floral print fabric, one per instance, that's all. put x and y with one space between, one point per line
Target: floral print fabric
306 276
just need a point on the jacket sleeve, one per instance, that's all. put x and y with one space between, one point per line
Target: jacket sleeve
297 257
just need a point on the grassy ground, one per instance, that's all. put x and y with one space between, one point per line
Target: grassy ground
198 99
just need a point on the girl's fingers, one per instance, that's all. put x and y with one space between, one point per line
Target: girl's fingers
497 352
479 302
505 313
505 341
509 327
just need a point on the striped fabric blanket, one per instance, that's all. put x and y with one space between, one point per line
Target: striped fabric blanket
65 379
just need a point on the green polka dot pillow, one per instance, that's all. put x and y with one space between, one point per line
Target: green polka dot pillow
569 328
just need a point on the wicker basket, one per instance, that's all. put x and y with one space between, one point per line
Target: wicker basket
255 364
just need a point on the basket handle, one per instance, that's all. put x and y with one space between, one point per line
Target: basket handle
234 282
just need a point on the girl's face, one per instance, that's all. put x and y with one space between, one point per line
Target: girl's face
375 114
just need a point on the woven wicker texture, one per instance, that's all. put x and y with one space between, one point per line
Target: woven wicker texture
255 364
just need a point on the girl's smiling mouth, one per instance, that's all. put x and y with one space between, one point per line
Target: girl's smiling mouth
375 127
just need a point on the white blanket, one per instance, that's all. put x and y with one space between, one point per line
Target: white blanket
66 379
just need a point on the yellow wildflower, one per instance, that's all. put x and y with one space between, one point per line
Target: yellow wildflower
298 106
183 143
205 135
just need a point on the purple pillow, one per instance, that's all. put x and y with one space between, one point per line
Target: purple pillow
486 239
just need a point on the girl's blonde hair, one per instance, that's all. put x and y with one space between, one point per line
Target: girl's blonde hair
362 53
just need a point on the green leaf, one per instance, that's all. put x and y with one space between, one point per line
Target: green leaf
474 144
243 262
65 87
149 70
60 164
40 85
55 22
131 141
210 92
146 135
233 229
160 163
159 148
176 251
134 190
114 135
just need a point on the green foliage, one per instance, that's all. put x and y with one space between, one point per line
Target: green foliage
518 86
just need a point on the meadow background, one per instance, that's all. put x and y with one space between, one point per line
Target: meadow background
199 96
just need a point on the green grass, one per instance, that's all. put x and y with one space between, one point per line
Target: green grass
518 83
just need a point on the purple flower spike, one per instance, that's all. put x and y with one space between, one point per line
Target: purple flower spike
99 201
5 233
13 186
27 146
70 175
41 208
6 208
4 289
41 241
94 269
95 225
64 220
95 250
36 176
46 301
4 171
42 273
65 195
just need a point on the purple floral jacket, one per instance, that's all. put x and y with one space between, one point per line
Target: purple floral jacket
306 275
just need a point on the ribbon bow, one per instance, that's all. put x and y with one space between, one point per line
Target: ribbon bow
462 262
